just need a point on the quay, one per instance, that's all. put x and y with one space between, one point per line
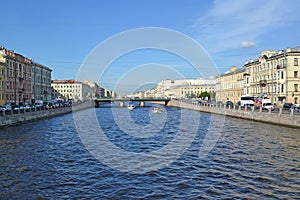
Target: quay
24 116
278 117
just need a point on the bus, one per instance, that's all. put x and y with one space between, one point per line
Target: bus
248 101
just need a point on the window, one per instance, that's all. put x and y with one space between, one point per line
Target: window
295 61
282 75
296 87
295 74
282 88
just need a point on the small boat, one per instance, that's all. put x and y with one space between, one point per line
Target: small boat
131 106
157 109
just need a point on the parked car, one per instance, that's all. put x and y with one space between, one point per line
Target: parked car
38 105
267 106
249 106
220 103
287 106
17 107
211 103
45 106
229 104
196 102
27 106
7 107
50 105
296 109
2 108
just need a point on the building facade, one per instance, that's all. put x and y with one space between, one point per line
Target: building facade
25 80
95 91
190 91
18 79
75 90
182 88
41 82
274 75
67 90
230 85
3 67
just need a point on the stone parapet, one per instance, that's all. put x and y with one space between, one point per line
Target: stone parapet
267 117
34 114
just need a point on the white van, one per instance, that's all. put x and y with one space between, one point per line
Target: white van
38 103
266 104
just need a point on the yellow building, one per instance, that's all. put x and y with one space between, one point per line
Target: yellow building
230 85
274 75
3 67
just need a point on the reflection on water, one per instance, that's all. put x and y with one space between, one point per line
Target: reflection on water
46 159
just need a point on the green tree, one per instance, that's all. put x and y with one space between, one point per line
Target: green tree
204 94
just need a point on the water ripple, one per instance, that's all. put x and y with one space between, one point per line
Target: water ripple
46 160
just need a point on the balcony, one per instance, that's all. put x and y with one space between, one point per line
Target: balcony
21 90
263 83
281 66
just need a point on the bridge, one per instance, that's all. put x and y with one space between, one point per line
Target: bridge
123 100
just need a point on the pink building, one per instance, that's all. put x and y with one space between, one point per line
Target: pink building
19 73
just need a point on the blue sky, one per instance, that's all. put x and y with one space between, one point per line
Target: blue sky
61 34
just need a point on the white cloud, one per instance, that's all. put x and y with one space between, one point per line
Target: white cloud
247 44
230 23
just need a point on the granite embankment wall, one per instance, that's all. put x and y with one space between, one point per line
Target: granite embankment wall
279 118
12 118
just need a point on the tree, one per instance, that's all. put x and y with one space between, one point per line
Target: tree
203 95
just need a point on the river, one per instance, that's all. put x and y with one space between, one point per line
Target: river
55 159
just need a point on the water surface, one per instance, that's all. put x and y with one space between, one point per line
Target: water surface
46 159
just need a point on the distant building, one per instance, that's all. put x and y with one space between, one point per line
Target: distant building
78 90
230 85
182 88
108 93
190 91
3 67
41 82
95 90
68 90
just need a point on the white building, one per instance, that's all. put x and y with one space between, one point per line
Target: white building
182 88
79 90
71 90
95 90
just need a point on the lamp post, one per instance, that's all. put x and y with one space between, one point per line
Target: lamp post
272 82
